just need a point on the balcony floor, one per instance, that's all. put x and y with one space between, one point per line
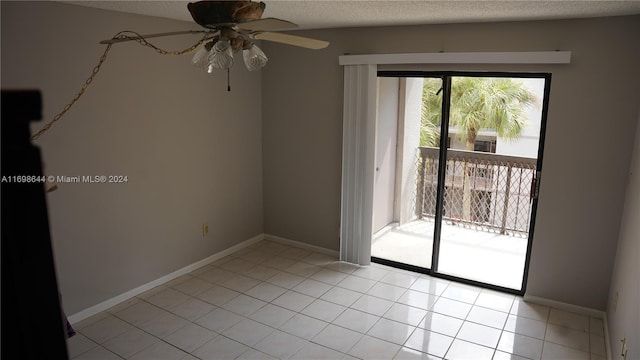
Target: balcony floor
472 254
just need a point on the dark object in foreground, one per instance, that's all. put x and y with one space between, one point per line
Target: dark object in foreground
33 324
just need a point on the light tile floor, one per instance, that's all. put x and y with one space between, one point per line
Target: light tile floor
275 301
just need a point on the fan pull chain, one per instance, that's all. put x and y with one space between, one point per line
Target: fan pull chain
228 81
121 35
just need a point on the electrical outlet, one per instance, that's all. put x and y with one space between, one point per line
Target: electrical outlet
205 229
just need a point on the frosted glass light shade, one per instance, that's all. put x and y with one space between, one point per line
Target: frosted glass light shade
221 55
200 59
254 58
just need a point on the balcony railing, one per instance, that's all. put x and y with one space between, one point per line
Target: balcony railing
484 191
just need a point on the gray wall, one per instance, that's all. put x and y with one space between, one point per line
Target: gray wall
592 119
190 149
623 307
302 144
195 153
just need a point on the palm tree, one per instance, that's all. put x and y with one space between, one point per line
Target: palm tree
431 111
477 103
496 104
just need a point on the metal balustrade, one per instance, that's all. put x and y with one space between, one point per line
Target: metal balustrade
483 191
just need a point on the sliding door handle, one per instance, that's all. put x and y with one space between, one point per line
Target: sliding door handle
535 186
532 191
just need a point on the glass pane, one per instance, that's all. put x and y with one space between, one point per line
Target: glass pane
408 136
494 131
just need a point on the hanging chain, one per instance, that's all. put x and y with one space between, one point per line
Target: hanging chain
142 41
120 36
78 95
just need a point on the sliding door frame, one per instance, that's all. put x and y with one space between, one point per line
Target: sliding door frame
444 129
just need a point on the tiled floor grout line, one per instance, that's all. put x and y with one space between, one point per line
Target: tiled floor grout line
379 281
321 266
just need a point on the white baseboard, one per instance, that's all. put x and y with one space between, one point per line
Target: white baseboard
302 245
565 306
79 316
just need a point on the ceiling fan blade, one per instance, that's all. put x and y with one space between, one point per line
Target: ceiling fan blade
266 24
291 40
133 37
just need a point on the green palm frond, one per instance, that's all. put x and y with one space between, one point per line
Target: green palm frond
431 112
478 103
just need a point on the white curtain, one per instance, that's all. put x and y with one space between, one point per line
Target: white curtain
358 163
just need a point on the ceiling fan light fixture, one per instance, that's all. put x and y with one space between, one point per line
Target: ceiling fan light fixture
254 57
236 43
221 55
237 20
201 58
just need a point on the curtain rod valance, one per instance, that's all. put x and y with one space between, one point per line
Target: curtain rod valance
526 57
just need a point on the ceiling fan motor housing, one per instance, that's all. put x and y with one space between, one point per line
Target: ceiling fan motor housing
212 14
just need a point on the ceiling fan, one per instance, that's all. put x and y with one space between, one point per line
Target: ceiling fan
232 26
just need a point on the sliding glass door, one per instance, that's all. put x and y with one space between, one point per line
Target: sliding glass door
473 207
400 132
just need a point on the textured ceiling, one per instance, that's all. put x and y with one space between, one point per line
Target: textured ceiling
316 14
